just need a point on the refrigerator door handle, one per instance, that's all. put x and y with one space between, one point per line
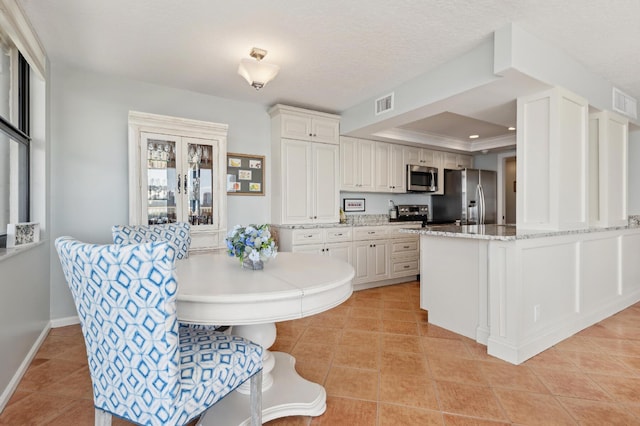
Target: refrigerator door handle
481 213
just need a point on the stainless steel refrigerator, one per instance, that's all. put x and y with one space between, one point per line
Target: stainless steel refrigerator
470 196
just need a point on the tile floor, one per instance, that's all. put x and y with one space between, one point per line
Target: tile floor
382 364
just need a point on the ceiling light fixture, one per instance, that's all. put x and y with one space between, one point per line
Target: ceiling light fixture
474 136
257 73
511 128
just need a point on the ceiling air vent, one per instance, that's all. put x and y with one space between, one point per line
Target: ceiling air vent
384 104
625 104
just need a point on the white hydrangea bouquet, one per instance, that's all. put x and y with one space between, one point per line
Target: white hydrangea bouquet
252 244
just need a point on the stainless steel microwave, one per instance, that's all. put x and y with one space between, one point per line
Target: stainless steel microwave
422 178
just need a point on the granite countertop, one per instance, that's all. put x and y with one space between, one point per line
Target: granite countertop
352 221
504 232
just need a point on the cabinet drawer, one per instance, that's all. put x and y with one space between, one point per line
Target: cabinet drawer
370 233
409 267
307 236
337 235
405 246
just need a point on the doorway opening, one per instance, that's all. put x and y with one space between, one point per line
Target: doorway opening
507 165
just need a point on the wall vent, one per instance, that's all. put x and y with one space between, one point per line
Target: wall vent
384 104
625 104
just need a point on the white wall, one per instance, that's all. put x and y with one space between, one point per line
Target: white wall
89 181
634 173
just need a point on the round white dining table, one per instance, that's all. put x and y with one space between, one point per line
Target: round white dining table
215 289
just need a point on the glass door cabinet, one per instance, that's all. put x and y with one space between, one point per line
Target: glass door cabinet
179 175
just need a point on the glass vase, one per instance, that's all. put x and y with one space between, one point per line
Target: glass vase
250 264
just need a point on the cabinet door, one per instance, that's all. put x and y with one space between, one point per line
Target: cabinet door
450 161
411 155
349 164
340 251
161 185
325 130
379 263
325 191
361 261
311 248
200 170
397 170
297 182
295 127
366 165
381 173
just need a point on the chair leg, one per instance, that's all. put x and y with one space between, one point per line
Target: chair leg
102 418
256 398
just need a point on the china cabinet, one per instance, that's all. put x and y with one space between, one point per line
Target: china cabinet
176 174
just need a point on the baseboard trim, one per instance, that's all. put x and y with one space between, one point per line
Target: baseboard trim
15 380
63 322
374 284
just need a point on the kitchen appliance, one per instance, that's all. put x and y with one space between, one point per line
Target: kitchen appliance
412 212
469 197
422 178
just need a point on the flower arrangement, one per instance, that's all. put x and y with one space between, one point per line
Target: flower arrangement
252 242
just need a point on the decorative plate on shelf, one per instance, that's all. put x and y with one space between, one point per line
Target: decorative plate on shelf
19 234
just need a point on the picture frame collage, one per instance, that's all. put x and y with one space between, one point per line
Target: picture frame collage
245 174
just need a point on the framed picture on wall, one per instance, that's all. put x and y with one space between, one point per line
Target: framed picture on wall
353 204
245 174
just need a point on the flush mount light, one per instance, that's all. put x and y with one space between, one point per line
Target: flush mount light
255 71
511 128
474 136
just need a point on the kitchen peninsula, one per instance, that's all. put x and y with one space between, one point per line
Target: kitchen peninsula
520 292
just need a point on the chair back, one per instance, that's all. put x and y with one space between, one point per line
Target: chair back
126 300
177 234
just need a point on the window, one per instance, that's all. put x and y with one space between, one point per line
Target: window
14 139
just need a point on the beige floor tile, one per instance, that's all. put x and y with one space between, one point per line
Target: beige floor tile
458 370
430 330
400 327
408 390
311 352
347 412
579 344
349 356
622 389
392 415
313 371
322 335
518 377
36 409
551 358
469 400
360 338
437 347
404 363
399 315
596 413
362 312
352 383
400 343
41 376
574 384
363 324
601 363
533 408
454 420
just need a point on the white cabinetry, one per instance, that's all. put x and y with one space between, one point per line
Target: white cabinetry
421 156
552 173
357 164
305 171
301 124
456 161
389 168
335 242
371 260
608 159
177 174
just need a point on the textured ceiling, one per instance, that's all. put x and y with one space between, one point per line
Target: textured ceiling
333 54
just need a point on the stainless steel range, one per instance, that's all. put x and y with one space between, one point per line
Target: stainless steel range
413 212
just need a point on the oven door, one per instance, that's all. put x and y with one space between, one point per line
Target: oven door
421 178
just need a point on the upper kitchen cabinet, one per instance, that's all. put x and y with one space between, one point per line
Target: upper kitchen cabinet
457 161
421 157
608 159
177 174
389 168
305 125
305 174
357 164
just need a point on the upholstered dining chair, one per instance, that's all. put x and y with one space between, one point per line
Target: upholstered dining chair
145 367
177 234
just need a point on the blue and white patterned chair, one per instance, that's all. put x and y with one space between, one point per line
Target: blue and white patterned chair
177 234
145 367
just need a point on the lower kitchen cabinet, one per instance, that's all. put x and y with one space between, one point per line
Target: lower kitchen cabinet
379 254
371 260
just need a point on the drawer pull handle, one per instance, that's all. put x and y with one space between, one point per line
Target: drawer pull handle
406 266
337 235
406 247
371 232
